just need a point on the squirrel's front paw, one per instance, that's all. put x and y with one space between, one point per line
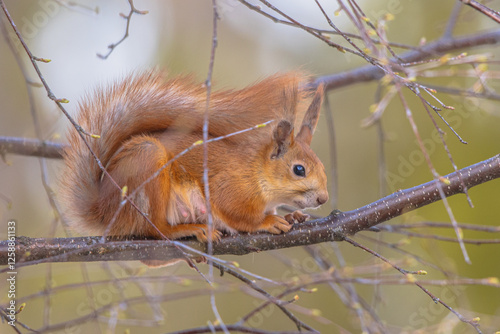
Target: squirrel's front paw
275 224
297 217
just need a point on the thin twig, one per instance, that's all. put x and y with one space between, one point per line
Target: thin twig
270 299
234 329
354 299
370 73
338 31
128 17
492 14
412 279
437 178
206 186
447 239
396 247
463 226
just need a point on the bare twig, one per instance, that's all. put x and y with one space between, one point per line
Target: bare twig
234 329
437 177
354 298
397 247
433 49
206 185
465 92
492 14
311 31
448 239
410 276
428 224
128 17
270 299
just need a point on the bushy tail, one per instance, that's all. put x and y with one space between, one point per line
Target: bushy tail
142 103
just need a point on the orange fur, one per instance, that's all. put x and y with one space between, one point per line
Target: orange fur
147 119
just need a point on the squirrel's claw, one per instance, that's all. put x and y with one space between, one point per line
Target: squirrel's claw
275 224
297 217
202 235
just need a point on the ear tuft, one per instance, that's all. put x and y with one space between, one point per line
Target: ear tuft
282 138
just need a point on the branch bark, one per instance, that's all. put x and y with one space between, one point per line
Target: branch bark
31 147
334 227
492 14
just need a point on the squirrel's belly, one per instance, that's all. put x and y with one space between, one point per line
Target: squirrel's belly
189 207
186 205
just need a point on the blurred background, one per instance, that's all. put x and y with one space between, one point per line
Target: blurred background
176 35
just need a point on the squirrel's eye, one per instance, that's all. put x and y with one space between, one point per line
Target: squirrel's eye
299 170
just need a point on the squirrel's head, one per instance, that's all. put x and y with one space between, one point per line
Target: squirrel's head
297 175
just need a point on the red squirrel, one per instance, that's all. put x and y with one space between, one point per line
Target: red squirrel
147 119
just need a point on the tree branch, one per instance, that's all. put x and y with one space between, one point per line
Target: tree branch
31 147
492 14
31 251
128 17
369 72
361 74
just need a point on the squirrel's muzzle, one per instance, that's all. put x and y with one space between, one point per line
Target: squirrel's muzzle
322 198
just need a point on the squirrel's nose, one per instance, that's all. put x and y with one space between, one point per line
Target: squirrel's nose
322 198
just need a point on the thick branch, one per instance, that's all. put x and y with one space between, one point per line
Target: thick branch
332 228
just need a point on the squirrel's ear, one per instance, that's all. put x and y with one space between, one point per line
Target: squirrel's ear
282 138
311 117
